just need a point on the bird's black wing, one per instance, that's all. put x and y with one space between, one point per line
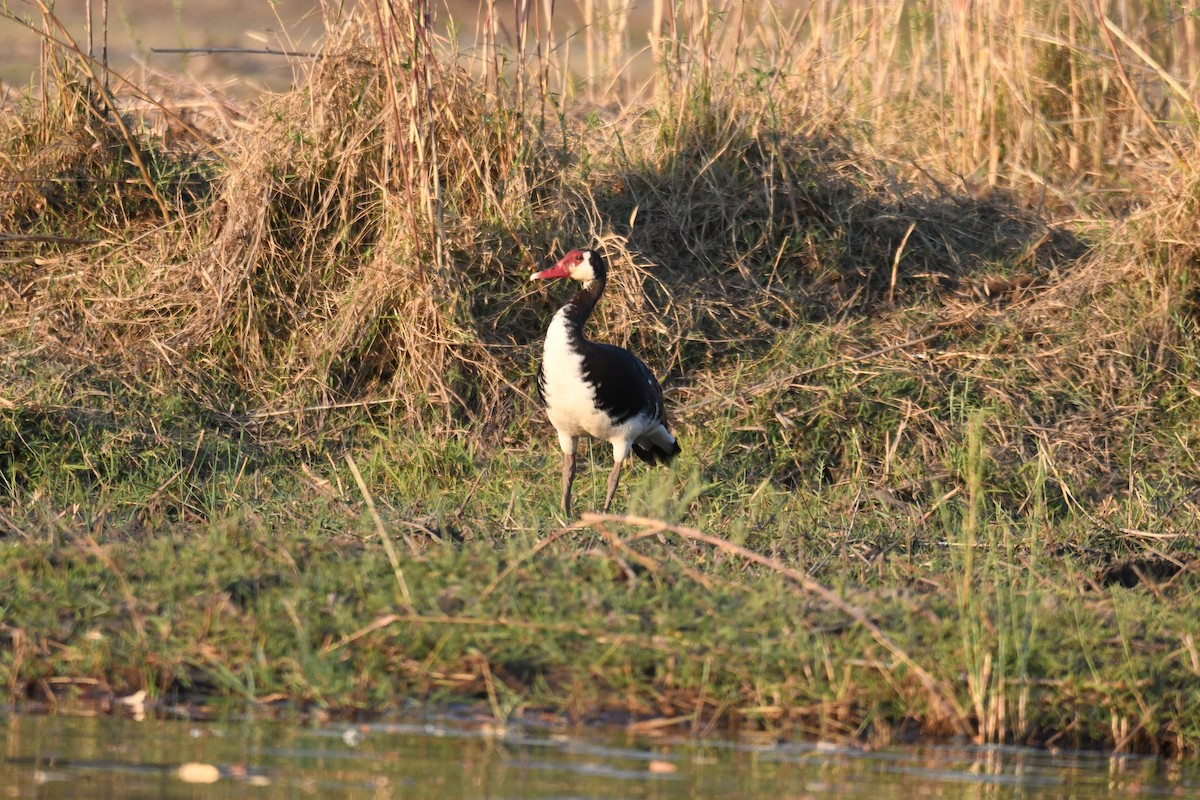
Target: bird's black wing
624 386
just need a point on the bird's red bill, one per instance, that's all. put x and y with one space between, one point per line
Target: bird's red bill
559 270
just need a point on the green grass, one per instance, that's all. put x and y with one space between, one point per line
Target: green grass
153 549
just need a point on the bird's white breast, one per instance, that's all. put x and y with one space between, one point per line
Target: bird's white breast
570 399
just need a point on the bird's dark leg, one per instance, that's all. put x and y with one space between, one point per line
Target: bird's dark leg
568 477
613 478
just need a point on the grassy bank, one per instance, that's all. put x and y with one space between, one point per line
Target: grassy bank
920 286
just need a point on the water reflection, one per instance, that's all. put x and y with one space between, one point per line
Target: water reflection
52 757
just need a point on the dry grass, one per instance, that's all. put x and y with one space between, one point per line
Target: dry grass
364 239
381 206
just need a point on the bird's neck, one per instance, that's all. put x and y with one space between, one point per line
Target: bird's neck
577 311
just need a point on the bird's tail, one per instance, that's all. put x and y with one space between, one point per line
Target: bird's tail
657 447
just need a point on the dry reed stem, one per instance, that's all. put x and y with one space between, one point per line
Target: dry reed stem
101 87
776 383
1108 29
653 642
384 537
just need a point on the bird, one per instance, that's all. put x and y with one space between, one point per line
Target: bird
595 388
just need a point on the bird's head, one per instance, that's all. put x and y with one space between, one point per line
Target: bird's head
579 265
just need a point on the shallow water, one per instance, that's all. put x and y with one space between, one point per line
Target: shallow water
52 757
